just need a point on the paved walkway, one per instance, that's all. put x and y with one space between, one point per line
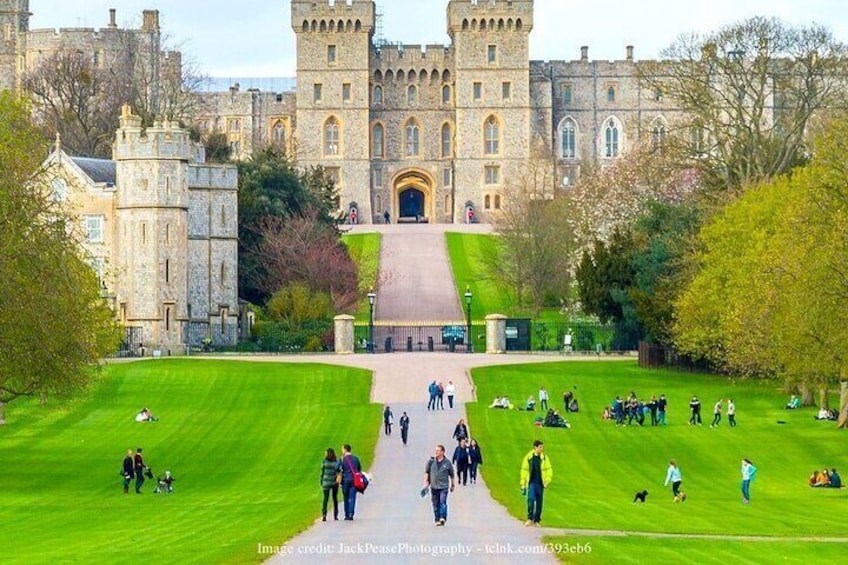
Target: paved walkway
416 282
391 516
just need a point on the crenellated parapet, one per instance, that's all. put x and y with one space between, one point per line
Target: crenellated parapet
163 140
329 16
490 15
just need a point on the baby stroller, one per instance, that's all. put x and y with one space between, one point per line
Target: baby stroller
165 484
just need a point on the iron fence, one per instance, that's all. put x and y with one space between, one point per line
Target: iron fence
417 337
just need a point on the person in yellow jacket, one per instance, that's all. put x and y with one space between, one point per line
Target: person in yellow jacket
536 474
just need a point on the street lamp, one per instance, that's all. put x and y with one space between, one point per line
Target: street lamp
469 347
371 297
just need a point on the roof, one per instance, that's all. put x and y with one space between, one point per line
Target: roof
98 170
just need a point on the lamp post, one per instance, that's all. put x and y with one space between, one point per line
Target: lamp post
371 297
469 347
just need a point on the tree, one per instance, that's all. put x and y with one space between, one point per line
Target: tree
56 325
218 149
536 244
746 96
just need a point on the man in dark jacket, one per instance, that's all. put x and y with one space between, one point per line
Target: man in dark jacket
140 468
128 470
350 464
462 461
404 428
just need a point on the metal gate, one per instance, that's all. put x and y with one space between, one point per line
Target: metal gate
390 337
518 334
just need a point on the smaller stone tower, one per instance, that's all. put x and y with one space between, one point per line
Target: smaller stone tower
152 224
14 23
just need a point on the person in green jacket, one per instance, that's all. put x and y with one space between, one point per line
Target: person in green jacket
536 474
331 474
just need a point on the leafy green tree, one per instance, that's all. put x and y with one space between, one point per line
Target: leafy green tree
56 325
218 149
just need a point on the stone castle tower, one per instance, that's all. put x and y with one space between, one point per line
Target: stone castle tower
152 225
333 98
14 23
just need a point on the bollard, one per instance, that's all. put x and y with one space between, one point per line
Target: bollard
430 343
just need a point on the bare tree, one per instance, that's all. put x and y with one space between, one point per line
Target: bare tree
746 96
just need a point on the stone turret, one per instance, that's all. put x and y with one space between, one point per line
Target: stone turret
14 23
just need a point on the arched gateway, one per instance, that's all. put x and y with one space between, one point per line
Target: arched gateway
412 195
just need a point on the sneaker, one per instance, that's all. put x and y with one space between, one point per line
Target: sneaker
677 499
537 524
438 522
441 521
528 523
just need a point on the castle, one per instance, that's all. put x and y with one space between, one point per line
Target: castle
431 132
410 132
160 228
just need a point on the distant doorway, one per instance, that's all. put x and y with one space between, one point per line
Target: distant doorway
411 203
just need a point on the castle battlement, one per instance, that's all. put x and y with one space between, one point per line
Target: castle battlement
490 15
333 16
163 140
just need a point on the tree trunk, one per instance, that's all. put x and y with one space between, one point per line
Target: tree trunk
842 422
2 412
806 395
825 405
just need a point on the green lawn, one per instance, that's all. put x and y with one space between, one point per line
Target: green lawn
364 249
598 467
244 441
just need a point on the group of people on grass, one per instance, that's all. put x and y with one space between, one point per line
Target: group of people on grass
825 478
134 467
675 477
632 408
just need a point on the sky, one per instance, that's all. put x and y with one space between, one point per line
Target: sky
253 38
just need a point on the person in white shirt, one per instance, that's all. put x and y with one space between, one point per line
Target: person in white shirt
543 398
450 390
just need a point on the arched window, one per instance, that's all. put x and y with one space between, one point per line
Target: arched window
377 142
497 201
611 139
658 135
487 202
445 94
412 95
279 134
331 136
412 139
378 95
568 139
447 141
610 94
491 136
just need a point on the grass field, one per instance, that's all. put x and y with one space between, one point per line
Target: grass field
364 249
598 467
244 441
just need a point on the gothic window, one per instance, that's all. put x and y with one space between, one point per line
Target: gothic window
611 139
446 141
611 93
447 176
412 95
378 95
658 135
497 201
445 94
487 202
566 94
378 146
478 91
412 139
331 136
279 134
568 138
378 182
491 136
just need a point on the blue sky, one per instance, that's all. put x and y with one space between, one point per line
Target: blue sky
253 38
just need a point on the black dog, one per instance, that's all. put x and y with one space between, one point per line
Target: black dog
640 496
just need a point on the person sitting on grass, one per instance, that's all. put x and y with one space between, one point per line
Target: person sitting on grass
835 479
606 415
165 484
825 414
794 402
822 479
814 478
531 404
144 415
554 420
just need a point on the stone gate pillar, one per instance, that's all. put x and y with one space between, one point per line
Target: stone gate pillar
495 333
343 343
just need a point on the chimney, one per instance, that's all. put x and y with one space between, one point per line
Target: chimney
629 50
150 21
584 53
112 23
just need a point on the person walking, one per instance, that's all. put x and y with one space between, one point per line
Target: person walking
567 395
674 477
716 413
439 478
331 477
440 396
128 470
404 428
350 465
662 406
476 460
749 471
140 468
461 461
433 389
731 413
388 418
450 390
695 409
652 407
543 398
535 476
460 432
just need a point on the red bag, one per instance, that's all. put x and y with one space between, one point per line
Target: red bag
360 481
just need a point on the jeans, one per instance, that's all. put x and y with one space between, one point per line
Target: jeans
661 418
716 419
731 420
349 495
746 494
450 401
431 405
462 474
335 490
404 434
675 488
544 404
387 427
535 494
139 479
439 498
474 472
